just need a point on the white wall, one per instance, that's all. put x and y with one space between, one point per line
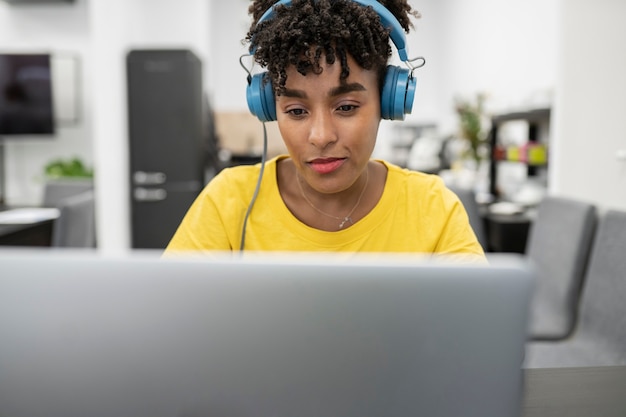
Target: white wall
590 110
227 80
506 49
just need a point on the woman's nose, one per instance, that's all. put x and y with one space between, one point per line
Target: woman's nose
322 130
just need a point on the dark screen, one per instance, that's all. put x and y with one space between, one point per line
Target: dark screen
25 95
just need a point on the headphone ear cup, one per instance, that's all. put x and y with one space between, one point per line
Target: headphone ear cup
260 97
398 93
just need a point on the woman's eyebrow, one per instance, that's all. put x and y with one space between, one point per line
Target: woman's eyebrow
346 88
293 93
336 91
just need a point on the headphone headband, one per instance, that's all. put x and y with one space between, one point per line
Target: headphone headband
398 89
386 17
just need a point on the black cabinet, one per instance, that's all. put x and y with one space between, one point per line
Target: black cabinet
166 150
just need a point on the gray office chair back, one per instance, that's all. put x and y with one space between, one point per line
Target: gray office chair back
559 244
75 226
55 191
603 302
600 337
468 199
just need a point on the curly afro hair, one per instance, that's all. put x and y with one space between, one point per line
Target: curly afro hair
307 30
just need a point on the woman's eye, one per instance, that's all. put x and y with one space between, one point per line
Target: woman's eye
296 112
346 108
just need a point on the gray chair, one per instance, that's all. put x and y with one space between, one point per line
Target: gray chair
600 337
55 191
468 199
75 226
559 244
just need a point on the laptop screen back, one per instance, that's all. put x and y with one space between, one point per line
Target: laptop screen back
138 336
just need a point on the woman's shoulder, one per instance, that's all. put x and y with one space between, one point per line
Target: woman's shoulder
398 175
417 187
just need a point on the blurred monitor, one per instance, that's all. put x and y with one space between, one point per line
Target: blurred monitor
26 106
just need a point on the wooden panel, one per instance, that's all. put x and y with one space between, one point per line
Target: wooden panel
242 133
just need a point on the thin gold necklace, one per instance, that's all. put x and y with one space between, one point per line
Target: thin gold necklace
344 219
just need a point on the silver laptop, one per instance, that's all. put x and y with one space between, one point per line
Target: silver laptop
277 336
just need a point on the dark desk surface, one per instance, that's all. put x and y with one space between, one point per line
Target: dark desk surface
575 392
36 232
33 234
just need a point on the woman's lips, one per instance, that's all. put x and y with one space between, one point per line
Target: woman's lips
326 165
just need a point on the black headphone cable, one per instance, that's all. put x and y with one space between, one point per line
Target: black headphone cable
256 190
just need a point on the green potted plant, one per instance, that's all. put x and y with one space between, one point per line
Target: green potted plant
472 121
72 168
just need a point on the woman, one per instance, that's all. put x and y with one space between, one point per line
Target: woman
327 85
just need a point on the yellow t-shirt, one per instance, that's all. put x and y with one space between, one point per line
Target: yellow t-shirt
416 214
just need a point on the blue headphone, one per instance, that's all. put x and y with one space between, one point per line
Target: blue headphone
398 89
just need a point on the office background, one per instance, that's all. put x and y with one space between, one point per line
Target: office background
561 53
